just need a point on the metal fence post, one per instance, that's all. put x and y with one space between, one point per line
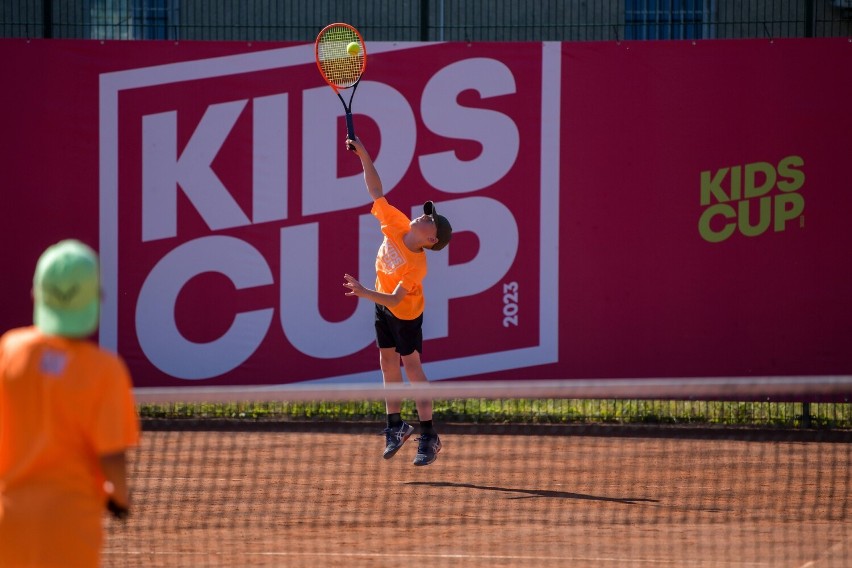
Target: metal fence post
424 20
47 19
810 16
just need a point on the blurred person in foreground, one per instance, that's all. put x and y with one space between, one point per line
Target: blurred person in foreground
67 417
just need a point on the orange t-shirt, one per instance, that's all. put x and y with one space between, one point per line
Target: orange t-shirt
63 404
396 264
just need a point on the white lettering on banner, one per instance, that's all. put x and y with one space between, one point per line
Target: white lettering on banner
322 190
300 316
269 163
163 170
159 337
497 232
166 170
497 132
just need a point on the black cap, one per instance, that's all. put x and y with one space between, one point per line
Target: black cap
445 230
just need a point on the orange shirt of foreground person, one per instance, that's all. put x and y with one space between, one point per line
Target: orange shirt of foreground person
67 415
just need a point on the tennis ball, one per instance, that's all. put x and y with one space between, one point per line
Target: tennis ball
353 48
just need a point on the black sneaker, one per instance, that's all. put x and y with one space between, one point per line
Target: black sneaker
428 446
396 437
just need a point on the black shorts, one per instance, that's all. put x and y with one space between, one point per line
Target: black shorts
405 335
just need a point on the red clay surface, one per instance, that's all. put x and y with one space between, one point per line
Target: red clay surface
319 498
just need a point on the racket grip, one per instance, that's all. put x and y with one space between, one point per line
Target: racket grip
350 129
118 511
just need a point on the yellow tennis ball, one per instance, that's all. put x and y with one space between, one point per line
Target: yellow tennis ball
353 48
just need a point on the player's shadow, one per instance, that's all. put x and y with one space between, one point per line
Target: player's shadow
529 493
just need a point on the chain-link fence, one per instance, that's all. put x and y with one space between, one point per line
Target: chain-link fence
426 20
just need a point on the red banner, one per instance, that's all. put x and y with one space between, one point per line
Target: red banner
620 210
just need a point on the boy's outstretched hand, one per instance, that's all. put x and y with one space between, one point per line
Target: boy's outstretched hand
371 176
355 287
356 146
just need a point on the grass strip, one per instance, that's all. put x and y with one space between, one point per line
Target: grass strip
528 411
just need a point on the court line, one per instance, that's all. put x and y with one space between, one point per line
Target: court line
827 555
626 560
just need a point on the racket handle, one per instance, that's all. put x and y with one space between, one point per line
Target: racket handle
118 511
350 129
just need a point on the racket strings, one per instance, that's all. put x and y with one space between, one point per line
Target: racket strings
338 66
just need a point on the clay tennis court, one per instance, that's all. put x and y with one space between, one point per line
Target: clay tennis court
320 495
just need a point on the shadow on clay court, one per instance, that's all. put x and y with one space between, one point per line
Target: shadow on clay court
528 493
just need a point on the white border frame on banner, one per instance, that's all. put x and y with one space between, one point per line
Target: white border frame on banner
112 84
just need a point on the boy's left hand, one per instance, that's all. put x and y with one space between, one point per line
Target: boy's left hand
355 287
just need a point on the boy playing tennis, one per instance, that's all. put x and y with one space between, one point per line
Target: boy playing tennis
400 269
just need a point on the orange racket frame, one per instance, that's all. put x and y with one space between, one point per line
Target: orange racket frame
340 69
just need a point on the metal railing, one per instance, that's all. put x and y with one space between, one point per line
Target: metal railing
426 20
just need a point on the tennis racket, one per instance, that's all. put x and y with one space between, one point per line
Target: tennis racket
341 64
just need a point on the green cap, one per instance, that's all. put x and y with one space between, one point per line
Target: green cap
66 290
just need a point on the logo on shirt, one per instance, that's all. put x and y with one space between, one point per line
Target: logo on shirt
53 363
389 257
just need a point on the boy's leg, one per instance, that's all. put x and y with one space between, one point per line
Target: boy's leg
397 431
414 372
428 444
391 375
